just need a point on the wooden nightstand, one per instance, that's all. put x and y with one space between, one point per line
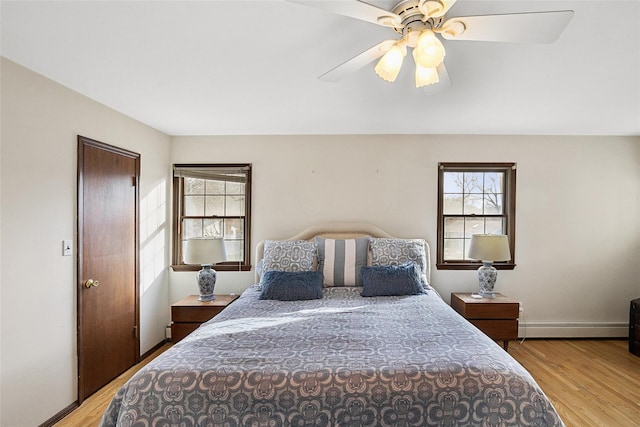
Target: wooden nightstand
189 313
496 317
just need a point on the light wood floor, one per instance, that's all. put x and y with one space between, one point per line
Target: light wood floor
590 382
91 410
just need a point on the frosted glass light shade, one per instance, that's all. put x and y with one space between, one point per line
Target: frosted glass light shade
429 51
389 65
489 247
426 76
204 251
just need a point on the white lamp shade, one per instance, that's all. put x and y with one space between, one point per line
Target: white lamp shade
489 247
204 251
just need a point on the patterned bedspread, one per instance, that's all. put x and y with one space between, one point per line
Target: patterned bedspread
344 360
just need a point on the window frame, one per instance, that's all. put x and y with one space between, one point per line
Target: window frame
177 263
509 169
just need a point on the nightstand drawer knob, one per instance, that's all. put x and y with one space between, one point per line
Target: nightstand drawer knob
91 283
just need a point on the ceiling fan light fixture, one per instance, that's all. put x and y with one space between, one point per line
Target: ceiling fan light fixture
429 51
426 76
389 65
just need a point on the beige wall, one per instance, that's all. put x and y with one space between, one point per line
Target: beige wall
578 216
578 210
40 124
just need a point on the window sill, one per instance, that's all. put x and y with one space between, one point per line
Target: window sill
472 266
191 267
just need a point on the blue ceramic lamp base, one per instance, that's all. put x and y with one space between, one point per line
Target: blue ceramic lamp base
206 283
487 275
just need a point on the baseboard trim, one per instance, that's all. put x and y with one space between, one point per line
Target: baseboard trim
153 349
69 409
60 415
573 329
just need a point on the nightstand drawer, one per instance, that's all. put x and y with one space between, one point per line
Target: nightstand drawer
181 330
492 311
194 314
499 330
189 313
499 307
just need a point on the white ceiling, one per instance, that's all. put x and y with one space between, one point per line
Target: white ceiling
250 67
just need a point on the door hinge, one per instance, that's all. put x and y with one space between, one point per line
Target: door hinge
135 332
134 180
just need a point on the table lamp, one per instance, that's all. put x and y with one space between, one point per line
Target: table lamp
205 251
488 248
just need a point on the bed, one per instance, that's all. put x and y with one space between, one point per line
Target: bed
339 360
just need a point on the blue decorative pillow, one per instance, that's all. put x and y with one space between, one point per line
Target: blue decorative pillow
291 286
340 261
392 280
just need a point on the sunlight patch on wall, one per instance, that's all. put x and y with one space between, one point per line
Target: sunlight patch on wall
152 235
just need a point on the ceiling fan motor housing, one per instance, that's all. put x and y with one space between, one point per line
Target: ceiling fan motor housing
413 21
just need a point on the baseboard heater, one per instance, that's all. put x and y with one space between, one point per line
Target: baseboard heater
573 329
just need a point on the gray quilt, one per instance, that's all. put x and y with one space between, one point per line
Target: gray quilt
344 360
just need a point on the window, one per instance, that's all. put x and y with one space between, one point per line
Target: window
213 201
474 198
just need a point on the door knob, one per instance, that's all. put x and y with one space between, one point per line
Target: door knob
91 283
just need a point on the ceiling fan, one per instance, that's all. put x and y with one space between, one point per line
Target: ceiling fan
418 22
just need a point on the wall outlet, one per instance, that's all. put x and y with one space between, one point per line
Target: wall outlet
67 248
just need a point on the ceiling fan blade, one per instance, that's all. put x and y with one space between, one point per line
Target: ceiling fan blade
442 85
357 62
356 9
535 27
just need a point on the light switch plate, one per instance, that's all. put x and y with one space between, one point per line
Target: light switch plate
67 248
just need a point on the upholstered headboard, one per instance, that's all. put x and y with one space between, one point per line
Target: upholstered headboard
341 230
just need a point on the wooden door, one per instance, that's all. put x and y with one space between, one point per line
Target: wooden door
108 265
